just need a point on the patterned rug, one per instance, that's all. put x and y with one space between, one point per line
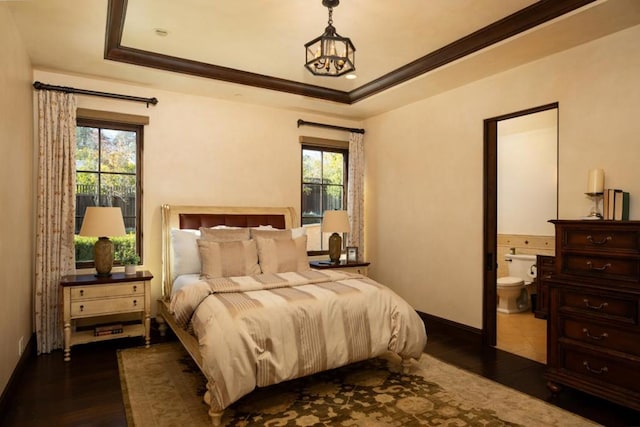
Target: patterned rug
162 386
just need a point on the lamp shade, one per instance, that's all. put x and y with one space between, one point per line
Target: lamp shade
335 222
102 222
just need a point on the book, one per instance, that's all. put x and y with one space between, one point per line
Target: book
621 206
605 204
115 328
611 203
109 332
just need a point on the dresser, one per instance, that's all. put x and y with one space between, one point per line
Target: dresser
85 296
593 341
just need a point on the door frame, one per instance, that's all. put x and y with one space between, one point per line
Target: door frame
490 218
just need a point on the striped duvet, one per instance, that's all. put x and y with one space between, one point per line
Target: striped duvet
264 329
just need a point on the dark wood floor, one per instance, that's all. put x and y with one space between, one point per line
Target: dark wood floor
86 392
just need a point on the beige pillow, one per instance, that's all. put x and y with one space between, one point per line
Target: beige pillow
228 259
224 234
283 255
271 234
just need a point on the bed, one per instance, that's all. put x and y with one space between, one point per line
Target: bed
240 296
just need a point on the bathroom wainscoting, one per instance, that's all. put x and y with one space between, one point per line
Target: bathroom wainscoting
523 244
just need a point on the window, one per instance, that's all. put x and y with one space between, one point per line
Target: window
108 165
324 187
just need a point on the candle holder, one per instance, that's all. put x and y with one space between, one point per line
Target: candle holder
595 211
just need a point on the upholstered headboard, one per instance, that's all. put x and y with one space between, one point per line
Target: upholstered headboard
194 217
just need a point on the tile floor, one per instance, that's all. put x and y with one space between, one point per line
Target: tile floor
523 334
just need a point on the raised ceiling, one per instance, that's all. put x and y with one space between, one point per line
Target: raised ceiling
252 50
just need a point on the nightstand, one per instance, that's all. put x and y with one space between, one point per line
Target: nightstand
85 296
352 267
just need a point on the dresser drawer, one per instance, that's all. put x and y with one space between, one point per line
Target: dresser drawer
88 292
600 367
601 239
601 306
85 308
603 267
602 335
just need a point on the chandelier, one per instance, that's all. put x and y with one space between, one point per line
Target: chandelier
330 54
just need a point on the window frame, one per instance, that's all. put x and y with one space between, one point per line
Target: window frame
345 185
138 128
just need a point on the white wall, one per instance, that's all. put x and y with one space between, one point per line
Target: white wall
202 151
528 174
16 195
424 172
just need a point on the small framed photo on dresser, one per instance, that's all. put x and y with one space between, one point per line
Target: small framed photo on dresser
352 254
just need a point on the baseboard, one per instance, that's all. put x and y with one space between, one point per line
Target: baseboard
440 326
29 352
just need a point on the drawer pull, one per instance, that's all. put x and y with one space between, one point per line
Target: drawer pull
595 371
135 288
594 337
82 308
603 268
599 242
135 303
593 307
81 292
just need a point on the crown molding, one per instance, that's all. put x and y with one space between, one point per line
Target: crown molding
516 23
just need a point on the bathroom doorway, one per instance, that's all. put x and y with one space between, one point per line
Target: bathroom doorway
521 158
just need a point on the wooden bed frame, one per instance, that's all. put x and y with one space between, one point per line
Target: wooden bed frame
193 217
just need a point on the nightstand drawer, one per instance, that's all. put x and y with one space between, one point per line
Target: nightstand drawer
356 270
601 335
96 291
601 239
106 306
627 269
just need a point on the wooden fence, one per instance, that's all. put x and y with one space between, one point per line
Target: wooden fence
123 197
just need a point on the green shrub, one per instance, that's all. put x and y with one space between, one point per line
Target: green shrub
122 244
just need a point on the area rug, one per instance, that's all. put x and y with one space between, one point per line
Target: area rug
162 386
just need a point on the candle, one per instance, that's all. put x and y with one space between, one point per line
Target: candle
596 181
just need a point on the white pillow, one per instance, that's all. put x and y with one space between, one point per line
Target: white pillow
186 257
264 227
297 232
260 227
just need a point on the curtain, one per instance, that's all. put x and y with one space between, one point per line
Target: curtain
55 212
355 193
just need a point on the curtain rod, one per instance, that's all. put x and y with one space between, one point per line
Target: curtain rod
66 89
322 125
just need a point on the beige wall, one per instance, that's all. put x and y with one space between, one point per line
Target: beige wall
16 195
202 151
425 166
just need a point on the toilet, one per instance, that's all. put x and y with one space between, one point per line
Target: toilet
512 290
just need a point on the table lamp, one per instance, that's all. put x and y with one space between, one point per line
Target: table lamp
335 222
101 222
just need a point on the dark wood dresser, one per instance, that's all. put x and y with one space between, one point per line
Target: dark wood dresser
593 341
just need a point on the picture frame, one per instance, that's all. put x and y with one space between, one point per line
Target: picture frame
352 254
